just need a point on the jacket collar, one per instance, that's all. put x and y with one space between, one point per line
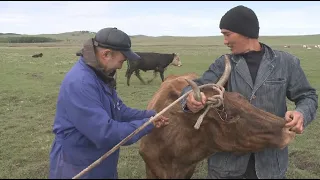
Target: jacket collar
266 67
106 83
269 54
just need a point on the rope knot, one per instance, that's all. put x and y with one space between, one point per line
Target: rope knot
212 102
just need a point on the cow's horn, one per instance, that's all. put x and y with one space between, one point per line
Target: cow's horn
225 76
196 90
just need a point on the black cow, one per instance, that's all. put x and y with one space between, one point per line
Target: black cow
157 62
79 53
37 55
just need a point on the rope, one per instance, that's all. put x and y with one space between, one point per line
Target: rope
212 102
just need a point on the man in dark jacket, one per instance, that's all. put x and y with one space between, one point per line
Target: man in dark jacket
90 117
266 77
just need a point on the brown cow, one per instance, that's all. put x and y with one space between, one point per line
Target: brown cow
236 126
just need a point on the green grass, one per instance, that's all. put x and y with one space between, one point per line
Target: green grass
29 89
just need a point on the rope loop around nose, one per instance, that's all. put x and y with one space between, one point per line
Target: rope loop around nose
212 102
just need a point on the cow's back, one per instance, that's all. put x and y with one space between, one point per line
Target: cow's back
171 87
151 60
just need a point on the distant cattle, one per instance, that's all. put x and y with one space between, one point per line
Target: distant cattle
286 46
79 53
37 55
157 62
307 47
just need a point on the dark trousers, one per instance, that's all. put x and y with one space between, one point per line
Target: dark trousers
249 174
251 171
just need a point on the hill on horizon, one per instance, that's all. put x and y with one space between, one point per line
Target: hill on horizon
76 37
73 33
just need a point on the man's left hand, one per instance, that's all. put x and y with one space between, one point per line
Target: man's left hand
294 121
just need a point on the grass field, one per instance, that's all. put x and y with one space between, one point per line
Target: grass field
29 89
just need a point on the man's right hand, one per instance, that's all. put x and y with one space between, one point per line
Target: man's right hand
194 105
161 121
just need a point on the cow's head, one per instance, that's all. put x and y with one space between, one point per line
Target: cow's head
176 60
239 126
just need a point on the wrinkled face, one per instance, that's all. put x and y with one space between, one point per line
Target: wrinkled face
176 61
111 59
236 42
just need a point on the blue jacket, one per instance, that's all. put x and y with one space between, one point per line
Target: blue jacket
279 77
90 120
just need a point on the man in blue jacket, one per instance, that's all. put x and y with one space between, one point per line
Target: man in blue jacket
266 77
90 117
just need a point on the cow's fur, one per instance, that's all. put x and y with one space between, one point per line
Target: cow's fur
174 151
157 62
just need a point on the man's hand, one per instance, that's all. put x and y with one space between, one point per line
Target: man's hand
294 121
161 121
194 105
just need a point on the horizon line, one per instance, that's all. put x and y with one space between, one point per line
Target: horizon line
12 33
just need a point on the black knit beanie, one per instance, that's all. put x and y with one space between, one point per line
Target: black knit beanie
241 20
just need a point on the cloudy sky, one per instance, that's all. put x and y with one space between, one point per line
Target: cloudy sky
154 18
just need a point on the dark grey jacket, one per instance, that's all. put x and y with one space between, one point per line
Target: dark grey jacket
280 76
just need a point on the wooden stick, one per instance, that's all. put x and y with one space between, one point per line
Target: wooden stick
98 161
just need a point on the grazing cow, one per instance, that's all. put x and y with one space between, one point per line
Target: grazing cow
79 53
157 62
286 46
233 126
37 55
304 46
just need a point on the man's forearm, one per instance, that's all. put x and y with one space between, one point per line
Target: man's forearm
308 107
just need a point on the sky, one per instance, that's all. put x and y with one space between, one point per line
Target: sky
154 18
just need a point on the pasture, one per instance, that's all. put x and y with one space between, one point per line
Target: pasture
29 89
